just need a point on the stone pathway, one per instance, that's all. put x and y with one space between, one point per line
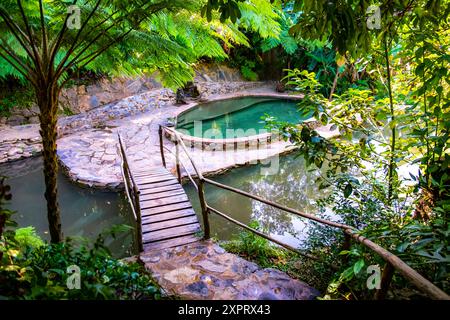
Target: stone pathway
90 157
204 270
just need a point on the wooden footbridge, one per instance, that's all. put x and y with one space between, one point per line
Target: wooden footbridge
165 218
158 200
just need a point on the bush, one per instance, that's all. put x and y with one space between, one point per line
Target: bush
32 269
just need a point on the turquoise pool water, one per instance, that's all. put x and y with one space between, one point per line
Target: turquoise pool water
239 117
84 212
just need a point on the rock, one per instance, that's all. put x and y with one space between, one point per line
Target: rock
15 120
267 296
181 275
151 259
14 151
198 287
108 157
34 119
219 250
210 266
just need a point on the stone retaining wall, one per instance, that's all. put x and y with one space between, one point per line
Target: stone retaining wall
84 98
19 142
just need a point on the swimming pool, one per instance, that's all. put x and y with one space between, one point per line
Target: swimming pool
237 117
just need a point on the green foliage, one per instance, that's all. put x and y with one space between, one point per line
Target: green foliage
267 255
398 120
19 96
254 246
27 237
248 73
170 37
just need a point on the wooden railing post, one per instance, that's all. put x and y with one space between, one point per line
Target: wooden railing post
161 146
204 206
138 219
177 160
386 278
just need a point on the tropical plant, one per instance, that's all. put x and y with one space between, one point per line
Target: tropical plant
43 43
33 269
400 122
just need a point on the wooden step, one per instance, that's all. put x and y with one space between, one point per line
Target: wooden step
170 233
150 180
145 204
169 224
165 208
158 184
170 243
150 174
168 216
171 187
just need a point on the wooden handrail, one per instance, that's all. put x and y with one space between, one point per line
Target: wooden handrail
409 273
185 169
276 205
261 234
183 146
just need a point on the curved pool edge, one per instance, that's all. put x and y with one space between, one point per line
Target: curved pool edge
84 169
248 142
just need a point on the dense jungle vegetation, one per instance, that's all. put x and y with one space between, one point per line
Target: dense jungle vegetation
384 84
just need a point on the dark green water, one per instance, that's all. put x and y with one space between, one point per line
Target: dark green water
84 212
236 117
293 185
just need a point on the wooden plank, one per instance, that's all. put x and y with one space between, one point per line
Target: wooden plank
158 184
169 224
165 208
145 204
162 189
170 243
142 175
168 216
150 180
160 195
150 174
171 233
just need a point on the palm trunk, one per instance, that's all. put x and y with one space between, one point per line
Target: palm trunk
47 97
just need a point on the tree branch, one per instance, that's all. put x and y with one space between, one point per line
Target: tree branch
44 32
56 44
9 55
74 43
15 30
153 9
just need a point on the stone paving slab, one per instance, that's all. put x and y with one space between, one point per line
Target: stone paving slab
204 270
88 157
87 147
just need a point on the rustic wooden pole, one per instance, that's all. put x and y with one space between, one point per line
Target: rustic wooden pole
177 160
161 146
138 218
204 206
386 278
